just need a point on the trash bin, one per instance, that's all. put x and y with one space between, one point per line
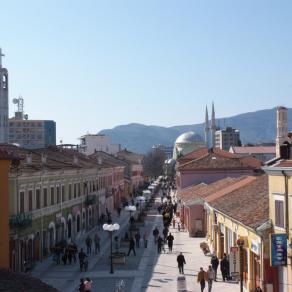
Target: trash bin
181 283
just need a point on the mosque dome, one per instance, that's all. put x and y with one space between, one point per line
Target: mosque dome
188 137
186 143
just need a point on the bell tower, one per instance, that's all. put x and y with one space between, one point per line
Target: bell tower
3 102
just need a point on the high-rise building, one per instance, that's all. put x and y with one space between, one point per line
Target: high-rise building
30 134
3 102
226 138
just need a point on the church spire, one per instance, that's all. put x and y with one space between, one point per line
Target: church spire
213 125
207 128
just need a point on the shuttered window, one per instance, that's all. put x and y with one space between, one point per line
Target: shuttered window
279 213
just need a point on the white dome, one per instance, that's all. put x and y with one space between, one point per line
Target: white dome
188 138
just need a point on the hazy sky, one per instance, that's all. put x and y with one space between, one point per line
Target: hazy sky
91 65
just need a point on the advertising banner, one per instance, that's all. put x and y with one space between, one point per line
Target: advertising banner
278 250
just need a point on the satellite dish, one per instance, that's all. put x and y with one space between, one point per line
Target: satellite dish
26 117
15 100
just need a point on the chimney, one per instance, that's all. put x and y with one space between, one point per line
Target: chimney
282 129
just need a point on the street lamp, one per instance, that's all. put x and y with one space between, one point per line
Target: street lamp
111 228
141 199
130 209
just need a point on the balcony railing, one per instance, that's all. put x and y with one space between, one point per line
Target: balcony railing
22 220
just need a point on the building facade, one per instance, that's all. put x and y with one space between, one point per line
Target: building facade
226 138
55 194
32 134
91 143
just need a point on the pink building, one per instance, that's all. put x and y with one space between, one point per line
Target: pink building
209 165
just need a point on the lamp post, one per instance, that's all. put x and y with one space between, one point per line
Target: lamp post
240 243
130 209
141 199
111 228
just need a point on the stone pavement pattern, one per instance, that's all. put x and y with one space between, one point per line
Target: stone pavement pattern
147 271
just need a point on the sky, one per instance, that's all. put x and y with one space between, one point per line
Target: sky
91 65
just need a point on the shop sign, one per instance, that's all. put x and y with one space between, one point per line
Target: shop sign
278 250
254 247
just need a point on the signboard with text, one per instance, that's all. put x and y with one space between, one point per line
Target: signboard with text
278 250
234 261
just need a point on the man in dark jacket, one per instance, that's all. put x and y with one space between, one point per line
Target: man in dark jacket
181 262
170 240
155 234
224 267
132 246
215 264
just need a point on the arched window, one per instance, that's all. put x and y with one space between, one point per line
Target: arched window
4 81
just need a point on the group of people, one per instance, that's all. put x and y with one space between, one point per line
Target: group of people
135 242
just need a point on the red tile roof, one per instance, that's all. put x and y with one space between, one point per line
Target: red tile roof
283 163
254 150
220 160
248 204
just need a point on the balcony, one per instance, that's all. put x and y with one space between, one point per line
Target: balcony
19 221
90 200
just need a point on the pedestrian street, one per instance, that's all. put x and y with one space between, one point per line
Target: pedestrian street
147 271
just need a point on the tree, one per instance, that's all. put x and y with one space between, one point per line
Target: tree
153 163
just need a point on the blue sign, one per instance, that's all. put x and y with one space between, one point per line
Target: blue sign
278 250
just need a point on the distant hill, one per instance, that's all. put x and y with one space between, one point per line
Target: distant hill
254 127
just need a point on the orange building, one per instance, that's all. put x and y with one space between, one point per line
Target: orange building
5 162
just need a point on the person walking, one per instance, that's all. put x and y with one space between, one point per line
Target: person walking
165 233
173 222
181 262
145 239
202 278
88 242
96 243
155 234
81 257
137 238
170 240
132 246
210 277
160 243
215 264
224 267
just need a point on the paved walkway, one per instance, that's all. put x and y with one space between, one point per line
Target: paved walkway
147 271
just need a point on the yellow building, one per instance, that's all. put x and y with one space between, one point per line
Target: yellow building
241 212
280 206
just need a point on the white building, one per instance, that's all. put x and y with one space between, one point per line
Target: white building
226 138
91 143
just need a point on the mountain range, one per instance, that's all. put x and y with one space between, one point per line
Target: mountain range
255 127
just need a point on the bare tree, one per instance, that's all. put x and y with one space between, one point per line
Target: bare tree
153 163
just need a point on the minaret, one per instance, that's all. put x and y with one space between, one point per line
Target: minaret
3 102
213 125
282 128
207 129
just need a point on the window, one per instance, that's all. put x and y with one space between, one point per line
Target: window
38 198
70 192
58 195
21 203
45 197
75 190
30 200
279 213
63 193
79 189
52 195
